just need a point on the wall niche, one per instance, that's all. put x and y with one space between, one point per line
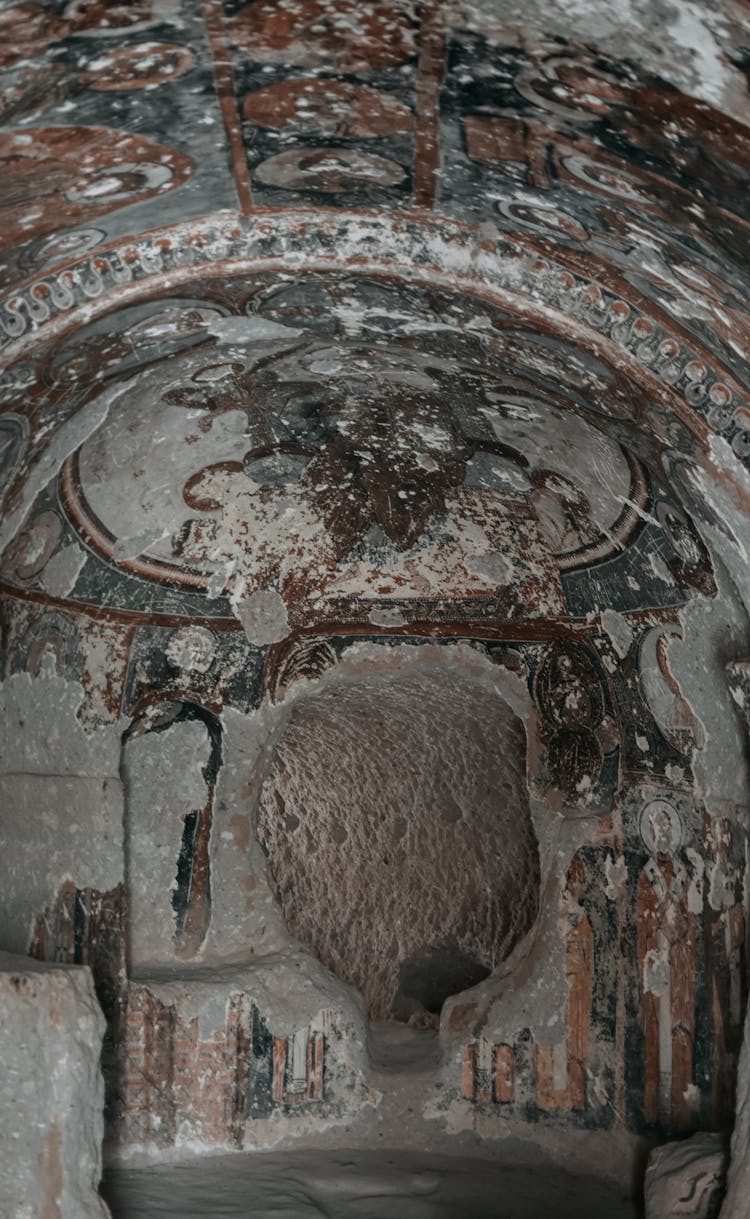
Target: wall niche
395 818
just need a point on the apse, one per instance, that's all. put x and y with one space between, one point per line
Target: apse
374 451
412 870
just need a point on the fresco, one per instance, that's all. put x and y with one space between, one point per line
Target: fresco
349 349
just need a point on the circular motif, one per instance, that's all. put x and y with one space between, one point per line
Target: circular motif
28 555
60 248
720 394
661 828
741 444
543 219
136 66
107 18
191 649
26 30
573 88
31 88
329 170
112 187
608 179
61 175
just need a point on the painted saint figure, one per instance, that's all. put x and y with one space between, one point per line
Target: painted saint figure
667 962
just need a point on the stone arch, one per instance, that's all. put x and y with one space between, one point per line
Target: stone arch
363 721
261 408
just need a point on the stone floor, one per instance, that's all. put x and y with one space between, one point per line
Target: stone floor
358 1185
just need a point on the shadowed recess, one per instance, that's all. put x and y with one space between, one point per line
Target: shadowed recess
395 817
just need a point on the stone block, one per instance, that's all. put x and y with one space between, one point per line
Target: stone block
51 1092
686 1179
737 1201
226 1057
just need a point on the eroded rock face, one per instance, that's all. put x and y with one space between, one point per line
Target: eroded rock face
359 325
686 1178
51 1092
738 1178
396 821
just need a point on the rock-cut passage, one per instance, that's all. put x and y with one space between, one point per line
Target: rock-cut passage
395 817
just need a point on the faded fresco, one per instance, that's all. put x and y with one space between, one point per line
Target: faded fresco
374 386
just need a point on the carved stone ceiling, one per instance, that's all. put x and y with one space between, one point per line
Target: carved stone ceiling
348 306
396 273
334 335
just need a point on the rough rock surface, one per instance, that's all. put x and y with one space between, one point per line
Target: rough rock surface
737 1197
368 1184
404 857
339 324
51 1094
686 1178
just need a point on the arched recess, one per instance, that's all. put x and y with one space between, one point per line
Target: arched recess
525 346
171 758
396 820
404 836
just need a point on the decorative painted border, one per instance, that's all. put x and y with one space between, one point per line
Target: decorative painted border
509 270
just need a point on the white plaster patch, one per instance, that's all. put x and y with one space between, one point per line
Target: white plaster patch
619 630
61 572
385 617
253 329
616 872
656 971
263 616
496 566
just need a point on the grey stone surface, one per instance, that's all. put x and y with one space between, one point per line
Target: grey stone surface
737 1200
245 915
158 798
403 858
51 1092
400 457
78 819
369 1184
59 743
686 1178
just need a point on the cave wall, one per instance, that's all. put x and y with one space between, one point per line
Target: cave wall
394 350
52 1027
396 821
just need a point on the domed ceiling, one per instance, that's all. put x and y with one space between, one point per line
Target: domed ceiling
331 393
335 334
350 442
